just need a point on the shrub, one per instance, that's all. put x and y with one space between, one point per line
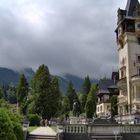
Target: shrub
18 132
34 120
10 128
16 119
6 127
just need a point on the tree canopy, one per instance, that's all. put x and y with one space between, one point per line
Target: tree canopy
90 107
22 93
84 93
71 94
45 90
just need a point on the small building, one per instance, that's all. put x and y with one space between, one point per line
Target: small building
104 95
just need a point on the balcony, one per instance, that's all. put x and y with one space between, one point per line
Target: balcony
135 79
103 101
136 100
122 85
122 99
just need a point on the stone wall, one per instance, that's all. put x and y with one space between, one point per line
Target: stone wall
90 132
68 136
132 136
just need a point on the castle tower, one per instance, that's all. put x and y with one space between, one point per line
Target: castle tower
128 42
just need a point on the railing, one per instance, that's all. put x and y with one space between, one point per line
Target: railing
135 77
136 100
75 129
101 129
130 128
122 99
104 101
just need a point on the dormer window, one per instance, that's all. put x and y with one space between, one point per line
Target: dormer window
130 26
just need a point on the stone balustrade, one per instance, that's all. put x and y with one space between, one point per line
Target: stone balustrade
75 128
101 129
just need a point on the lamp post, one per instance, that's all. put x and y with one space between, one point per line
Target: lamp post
116 132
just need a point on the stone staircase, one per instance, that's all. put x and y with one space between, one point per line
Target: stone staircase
41 137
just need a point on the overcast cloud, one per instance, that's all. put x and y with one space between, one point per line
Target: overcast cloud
69 36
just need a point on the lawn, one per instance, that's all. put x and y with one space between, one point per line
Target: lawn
54 128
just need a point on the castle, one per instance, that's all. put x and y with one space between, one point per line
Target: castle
128 43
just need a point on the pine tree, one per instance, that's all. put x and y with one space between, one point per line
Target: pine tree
85 90
41 89
71 94
90 107
55 96
1 92
22 93
65 105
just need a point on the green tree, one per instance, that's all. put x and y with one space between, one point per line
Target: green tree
71 94
6 126
90 107
114 106
22 93
85 90
4 104
11 94
1 92
65 106
55 98
41 88
15 120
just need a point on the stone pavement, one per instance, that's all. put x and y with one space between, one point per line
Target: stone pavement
43 131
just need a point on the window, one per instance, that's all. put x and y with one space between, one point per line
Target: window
138 71
123 72
138 58
138 40
108 108
101 109
130 26
137 107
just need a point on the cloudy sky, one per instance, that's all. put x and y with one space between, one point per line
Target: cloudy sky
69 36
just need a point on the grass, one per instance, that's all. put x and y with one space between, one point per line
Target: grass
54 128
31 128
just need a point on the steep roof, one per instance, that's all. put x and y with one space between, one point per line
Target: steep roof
131 4
104 84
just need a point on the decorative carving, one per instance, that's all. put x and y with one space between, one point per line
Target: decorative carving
137 11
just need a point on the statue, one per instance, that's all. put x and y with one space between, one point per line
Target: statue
76 109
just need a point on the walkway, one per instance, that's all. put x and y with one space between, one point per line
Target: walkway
43 131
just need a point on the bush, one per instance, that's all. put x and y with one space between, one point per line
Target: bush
10 128
18 132
16 119
6 127
34 120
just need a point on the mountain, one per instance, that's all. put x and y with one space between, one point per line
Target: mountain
9 76
28 72
77 82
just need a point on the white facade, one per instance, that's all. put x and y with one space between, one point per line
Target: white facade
103 109
128 40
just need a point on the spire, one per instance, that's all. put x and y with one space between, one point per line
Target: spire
131 4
